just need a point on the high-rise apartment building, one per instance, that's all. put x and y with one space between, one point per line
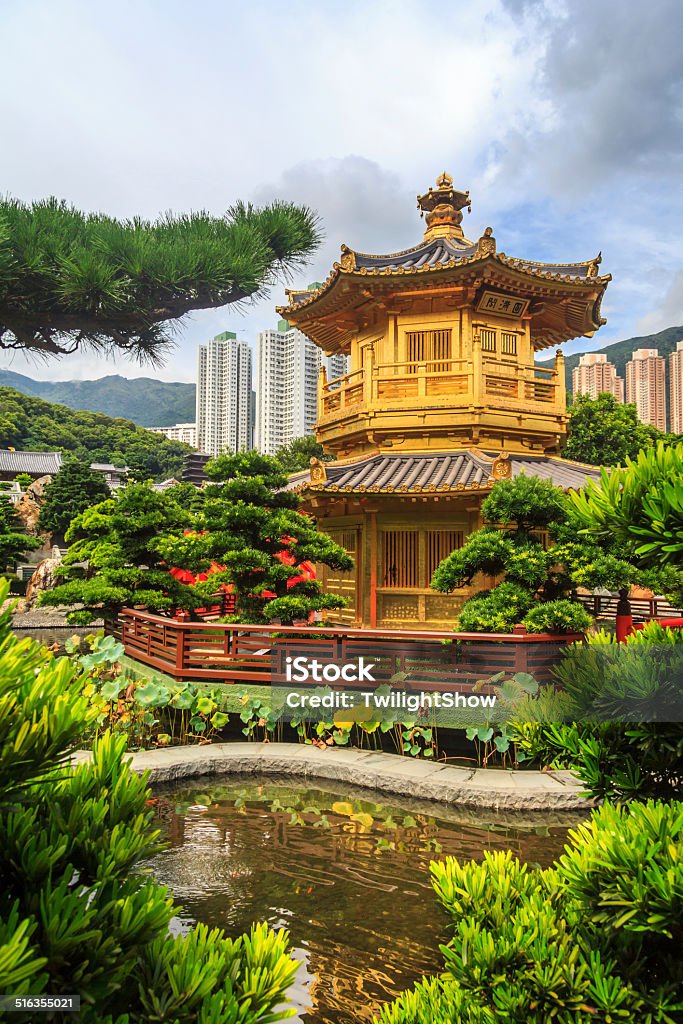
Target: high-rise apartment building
185 432
224 403
288 364
645 386
595 375
676 389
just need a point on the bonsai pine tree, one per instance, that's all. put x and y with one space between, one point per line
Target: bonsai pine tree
74 488
78 912
114 558
539 580
71 280
250 526
14 541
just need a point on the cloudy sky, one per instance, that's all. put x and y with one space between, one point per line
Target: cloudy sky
563 120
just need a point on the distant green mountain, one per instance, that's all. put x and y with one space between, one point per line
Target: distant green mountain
620 352
145 401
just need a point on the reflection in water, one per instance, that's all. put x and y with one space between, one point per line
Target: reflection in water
349 879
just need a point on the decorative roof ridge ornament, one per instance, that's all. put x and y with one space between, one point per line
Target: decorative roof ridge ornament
593 267
348 258
501 468
318 471
443 207
486 246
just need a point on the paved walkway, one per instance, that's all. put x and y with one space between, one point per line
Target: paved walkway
482 788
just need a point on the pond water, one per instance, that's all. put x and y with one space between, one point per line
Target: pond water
346 875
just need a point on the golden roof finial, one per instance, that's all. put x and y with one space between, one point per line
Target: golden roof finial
443 206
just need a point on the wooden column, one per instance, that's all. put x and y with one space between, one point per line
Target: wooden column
368 373
477 370
322 384
561 382
373 569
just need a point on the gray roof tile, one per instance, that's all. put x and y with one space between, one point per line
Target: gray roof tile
442 470
35 463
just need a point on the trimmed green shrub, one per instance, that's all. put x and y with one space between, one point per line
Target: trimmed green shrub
558 617
528 501
594 939
78 914
495 611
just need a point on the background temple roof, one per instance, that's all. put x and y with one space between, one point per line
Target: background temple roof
35 463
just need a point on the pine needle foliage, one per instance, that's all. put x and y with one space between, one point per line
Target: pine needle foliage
71 280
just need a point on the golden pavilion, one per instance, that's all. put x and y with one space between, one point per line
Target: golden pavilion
443 398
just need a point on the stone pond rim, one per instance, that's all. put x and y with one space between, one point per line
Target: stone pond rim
491 789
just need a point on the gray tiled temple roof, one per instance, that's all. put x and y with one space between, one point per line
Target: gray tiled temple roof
441 253
428 254
442 471
35 463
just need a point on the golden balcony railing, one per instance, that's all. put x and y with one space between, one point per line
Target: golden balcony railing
476 381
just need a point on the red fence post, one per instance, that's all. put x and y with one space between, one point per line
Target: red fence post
624 617
180 648
521 662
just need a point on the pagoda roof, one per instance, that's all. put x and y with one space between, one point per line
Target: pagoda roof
435 255
465 470
565 297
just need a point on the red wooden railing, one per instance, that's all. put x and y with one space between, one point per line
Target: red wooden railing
243 653
605 606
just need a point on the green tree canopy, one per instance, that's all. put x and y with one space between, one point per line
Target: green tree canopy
297 455
33 424
604 432
14 541
514 549
74 488
71 280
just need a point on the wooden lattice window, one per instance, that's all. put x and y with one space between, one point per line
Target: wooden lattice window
345 539
508 343
488 339
429 347
400 559
438 545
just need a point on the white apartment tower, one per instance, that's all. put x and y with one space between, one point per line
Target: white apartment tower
287 370
645 386
676 389
185 432
594 376
224 416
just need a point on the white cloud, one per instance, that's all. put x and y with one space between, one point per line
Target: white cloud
563 120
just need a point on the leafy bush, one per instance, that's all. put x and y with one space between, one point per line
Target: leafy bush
146 711
558 617
639 506
594 939
77 915
608 737
486 551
